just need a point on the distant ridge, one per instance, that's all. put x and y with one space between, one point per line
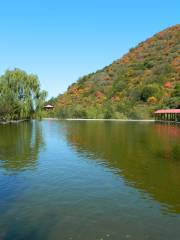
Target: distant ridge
143 80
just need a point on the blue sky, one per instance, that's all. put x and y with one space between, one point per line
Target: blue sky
63 40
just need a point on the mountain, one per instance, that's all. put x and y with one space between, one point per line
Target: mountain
145 79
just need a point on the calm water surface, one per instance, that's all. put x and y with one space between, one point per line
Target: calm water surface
88 180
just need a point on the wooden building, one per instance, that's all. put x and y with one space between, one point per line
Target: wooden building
168 115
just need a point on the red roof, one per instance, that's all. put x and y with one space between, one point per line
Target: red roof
168 111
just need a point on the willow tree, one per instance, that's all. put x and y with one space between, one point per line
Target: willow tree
20 95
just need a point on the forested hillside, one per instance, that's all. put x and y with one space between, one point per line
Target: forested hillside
145 79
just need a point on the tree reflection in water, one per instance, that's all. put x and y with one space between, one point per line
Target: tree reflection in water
20 145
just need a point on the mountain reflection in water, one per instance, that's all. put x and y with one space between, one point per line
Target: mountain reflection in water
146 155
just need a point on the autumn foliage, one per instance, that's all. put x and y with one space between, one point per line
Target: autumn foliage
143 80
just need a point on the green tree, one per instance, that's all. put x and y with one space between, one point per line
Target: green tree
20 95
148 91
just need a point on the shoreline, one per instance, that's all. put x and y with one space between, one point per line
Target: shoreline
13 121
111 120
91 119
99 119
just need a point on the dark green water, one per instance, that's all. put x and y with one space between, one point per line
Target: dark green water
87 180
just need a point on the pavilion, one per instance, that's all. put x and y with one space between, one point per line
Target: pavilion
48 107
167 115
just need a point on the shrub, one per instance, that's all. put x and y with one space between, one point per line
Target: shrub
148 91
152 100
177 90
119 86
92 112
173 102
168 85
62 113
148 64
108 111
135 94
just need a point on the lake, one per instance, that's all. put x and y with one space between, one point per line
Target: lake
88 180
